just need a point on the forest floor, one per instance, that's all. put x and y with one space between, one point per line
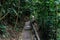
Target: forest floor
24 35
10 38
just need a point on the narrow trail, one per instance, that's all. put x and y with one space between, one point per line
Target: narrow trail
27 33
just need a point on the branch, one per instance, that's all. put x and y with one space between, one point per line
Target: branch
3 16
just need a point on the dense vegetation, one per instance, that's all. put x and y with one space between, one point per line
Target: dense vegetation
46 12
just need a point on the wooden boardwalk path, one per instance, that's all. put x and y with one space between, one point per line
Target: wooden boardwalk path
26 35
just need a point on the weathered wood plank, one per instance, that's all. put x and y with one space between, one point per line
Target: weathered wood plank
26 35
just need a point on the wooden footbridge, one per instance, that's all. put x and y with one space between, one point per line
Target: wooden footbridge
28 34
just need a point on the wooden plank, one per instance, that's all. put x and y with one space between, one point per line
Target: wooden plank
26 35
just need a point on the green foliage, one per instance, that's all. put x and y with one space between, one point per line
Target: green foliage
3 28
12 12
47 12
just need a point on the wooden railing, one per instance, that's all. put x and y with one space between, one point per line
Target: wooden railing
36 33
